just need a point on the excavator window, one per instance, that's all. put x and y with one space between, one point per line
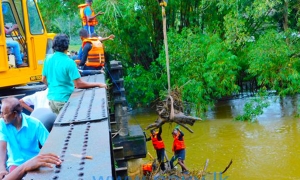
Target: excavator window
20 14
12 18
36 26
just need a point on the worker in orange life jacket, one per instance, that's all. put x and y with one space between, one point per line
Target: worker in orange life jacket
158 145
92 51
88 16
178 149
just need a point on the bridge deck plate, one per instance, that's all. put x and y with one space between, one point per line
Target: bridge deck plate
85 105
71 143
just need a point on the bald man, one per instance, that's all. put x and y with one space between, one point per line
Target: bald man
20 136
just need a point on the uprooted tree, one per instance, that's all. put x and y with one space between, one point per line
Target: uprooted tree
171 110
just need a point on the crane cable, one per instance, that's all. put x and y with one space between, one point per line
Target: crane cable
164 19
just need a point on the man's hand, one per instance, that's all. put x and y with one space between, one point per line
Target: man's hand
101 85
15 26
99 13
41 160
2 174
111 37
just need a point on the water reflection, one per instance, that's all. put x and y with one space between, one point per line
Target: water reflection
266 149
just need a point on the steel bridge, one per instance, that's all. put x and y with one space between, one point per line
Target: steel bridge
91 140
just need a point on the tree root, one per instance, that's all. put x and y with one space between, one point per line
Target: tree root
171 110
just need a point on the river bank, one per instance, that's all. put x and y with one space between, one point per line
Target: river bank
265 149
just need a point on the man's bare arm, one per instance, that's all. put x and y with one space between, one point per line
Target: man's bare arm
111 37
41 160
85 85
8 30
24 105
89 18
44 80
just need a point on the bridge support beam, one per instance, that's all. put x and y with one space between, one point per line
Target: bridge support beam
120 105
129 142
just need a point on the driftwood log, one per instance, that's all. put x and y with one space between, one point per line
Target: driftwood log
171 110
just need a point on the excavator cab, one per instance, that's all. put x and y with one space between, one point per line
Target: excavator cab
28 44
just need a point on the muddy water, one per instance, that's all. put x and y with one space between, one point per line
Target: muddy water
266 149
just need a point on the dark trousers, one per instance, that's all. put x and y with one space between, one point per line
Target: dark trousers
160 157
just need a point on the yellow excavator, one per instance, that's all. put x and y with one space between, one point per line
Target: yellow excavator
33 40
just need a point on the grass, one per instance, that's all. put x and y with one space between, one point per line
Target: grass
74 47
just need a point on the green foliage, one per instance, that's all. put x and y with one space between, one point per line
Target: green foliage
61 16
133 23
254 107
202 65
199 63
274 64
141 85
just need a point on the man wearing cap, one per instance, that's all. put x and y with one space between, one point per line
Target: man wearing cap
158 145
179 149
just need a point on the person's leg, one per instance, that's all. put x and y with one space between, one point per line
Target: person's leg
90 29
181 158
56 106
172 161
74 57
16 50
79 56
182 165
158 155
52 107
161 159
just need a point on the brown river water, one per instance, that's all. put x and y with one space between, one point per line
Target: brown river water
268 148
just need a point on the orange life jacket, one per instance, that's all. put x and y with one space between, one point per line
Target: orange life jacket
147 168
177 144
156 143
95 56
92 22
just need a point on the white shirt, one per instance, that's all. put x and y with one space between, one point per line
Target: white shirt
38 99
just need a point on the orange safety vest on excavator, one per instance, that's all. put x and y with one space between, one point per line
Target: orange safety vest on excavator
95 56
92 22
177 144
156 143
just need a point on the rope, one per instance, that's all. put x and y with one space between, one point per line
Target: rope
166 46
172 108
